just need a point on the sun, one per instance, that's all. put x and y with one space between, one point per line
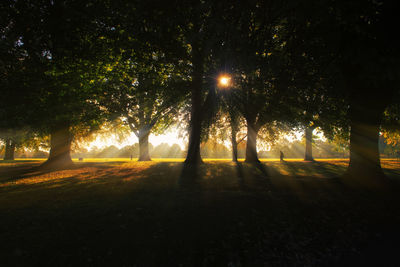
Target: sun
224 81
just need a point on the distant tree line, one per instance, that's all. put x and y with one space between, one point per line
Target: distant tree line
213 149
162 150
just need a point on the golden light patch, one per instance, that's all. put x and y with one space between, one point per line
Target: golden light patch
41 178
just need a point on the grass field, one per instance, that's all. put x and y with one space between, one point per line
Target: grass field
118 212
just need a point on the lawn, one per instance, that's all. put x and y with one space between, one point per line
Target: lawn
118 212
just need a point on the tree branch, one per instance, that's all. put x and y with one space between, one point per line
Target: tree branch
133 124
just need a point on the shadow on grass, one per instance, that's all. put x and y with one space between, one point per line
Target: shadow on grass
252 175
392 173
313 169
20 161
189 177
261 174
240 175
137 213
14 173
302 177
23 171
208 176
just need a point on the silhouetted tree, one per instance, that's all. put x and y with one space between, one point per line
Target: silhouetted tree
256 43
139 87
354 39
54 37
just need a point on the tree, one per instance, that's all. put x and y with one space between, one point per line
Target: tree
11 72
139 86
55 40
231 115
16 138
235 125
194 33
317 109
257 43
140 81
355 39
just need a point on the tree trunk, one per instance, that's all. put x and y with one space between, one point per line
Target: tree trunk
234 123
193 154
144 154
251 146
60 147
234 144
365 119
309 135
364 147
10 149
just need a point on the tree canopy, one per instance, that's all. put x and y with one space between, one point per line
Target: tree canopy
71 65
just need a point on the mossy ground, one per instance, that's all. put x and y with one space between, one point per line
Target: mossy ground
117 212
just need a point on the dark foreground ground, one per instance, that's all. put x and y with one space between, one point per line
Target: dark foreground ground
137 214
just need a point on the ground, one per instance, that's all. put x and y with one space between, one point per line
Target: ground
117 212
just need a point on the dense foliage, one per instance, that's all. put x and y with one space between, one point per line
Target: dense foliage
315 64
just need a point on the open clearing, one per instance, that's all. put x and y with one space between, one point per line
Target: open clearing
125 213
